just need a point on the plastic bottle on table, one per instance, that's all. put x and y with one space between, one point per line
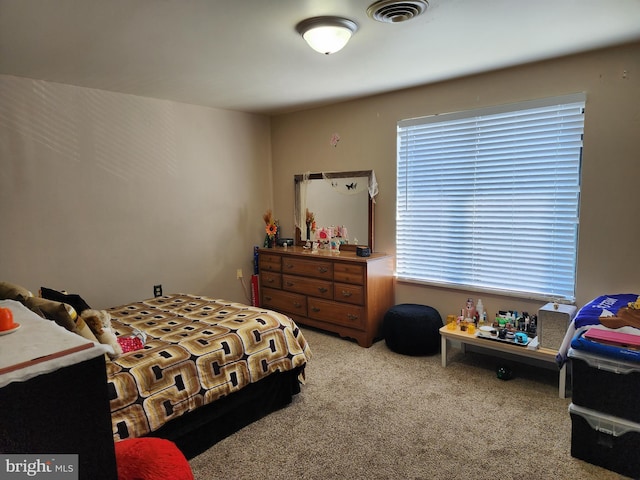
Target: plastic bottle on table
480 313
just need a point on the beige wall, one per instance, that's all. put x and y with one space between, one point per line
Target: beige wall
608 253
108 194
105 194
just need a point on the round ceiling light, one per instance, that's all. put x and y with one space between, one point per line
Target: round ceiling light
396 11
327 34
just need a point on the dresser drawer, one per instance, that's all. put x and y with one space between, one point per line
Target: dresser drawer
282 301
336 313
308 268
308 286
270 263
348 273
271 279
343 292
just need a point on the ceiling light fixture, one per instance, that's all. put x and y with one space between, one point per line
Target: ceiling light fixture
327 34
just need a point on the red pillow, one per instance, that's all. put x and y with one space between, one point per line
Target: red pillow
151 459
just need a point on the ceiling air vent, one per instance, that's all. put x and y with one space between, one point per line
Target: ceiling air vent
395 11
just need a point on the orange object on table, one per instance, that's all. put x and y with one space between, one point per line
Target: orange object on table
6 318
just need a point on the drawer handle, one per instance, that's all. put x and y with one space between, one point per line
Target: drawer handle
346 294
351 316
323 269
268 298
297 304
270 280
315 309
322 290
290 284
289 265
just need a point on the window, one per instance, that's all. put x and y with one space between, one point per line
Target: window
488 199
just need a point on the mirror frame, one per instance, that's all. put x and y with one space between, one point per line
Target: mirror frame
298 178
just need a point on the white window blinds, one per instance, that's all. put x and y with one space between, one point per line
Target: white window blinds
489 198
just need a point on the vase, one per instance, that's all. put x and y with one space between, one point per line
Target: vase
308 231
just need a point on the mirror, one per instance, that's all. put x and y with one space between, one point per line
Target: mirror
337 199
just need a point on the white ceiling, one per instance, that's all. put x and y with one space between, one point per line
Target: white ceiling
246 55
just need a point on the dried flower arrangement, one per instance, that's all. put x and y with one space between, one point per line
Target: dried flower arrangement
270 224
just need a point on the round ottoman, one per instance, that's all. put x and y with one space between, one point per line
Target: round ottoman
412 329
151 458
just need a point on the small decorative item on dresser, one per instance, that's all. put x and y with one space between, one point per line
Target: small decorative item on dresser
310 220
363 251
271 229
285 242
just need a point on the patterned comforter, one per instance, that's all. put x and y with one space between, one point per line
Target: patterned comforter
197 350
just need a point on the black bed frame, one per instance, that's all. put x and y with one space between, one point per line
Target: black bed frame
196 431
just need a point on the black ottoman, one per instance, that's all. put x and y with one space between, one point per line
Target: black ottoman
412 329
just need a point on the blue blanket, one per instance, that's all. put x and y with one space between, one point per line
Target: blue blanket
600 349
604 305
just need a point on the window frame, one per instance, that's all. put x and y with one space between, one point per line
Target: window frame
404 273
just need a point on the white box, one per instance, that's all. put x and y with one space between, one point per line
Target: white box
553 321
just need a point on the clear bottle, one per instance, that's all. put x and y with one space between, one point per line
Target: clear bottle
481 314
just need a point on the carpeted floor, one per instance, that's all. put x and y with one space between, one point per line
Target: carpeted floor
374 414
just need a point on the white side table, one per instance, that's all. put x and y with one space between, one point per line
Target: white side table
542 354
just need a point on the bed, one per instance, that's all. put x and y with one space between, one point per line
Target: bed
207 367
240 361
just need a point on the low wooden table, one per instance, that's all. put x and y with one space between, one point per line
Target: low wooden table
542 354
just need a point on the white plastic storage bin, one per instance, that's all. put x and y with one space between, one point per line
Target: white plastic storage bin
605 440
606 384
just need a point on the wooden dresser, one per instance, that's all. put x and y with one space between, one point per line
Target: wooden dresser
338 292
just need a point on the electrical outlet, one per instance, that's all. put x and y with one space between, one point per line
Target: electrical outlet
157 290
238 274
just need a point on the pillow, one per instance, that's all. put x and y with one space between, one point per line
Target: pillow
11 291
73 299
151 458
61 313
